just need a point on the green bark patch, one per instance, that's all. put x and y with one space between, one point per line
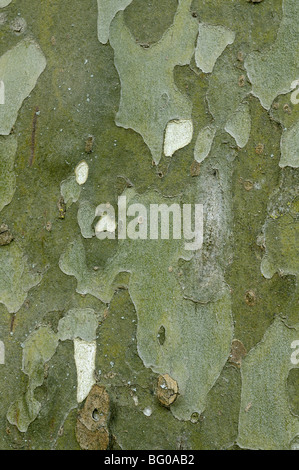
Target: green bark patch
8 148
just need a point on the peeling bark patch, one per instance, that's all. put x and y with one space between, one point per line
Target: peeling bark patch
178 135
225 96
280 232
78 323
208 325
15 278
239 125
290 147
86 216
273 71
70 191
151 99
85 354
4 3
204 143
2 353
39 348
295 94
211 42
107 11
269 423
81 172
19 69
167 390
92 424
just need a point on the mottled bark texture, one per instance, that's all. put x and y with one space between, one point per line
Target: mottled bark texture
142 344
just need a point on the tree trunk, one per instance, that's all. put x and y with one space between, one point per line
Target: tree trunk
149 224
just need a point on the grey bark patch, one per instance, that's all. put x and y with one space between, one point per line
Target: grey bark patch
239 125
4 3
290 147
70 190
86 216
78 323
2 353
107 10
266 421
151 100
280 232
39 348
273 71
20 68
211 42
204 143
16 279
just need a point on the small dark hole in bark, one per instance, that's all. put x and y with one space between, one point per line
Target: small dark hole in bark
96 415
161 335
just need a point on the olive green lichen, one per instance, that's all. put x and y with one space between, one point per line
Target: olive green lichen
8 148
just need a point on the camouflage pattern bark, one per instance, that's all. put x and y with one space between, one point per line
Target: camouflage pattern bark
139 344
